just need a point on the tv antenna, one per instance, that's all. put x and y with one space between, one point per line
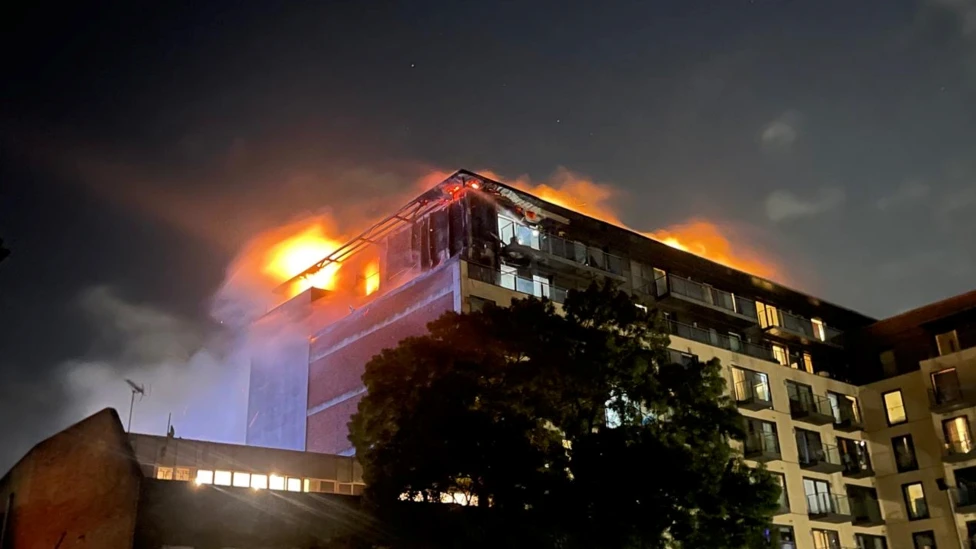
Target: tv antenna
136 388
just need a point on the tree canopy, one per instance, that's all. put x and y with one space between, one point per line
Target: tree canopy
576 423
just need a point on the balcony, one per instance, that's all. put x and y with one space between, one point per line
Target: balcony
762 447
720 340
955 451
812 409
557 252
796 328
830 508
865 509
753 393
705 298
847 417
536 287
819 459
854 458
949 396
964 497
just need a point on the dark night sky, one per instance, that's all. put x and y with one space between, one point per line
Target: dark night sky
139 150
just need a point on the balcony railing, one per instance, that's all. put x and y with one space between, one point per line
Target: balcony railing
813 409
949 395
822 459
570 250
761 446
855 459
959 450
707 295
723 341
521 284
829 508
783 323
753 392
865 511
847 416
964 497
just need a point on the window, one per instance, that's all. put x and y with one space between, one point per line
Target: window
750 386
182 473
894 407
904 450
276 483
924 540
825 539
784 497
294 484
259 482
957 437
945 386
819 330
819 500
888 364
915 501
242 480
221 478
810 448
761 437
164 473
768 315
947 343
867 541
844 408
478 303
204 476
808 362
781 355
781 537
854 455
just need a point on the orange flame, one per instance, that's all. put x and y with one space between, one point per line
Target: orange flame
700 237
297 253
372 276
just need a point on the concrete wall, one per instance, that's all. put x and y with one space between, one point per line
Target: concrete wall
79 488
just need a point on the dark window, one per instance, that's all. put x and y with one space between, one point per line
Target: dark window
915 503
924 540
479 303
685 359
784 497
894 407
888 364
867 541
904 450
853 455
781 537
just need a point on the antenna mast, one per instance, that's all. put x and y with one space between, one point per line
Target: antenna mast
136 388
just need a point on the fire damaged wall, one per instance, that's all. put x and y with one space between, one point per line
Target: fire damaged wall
340 351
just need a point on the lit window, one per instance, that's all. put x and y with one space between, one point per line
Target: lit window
222 478
915 501
164 473
780 354
819 331
808 362
204 476
948 343
242 480
259 482
894 407
768 315
294 484
182 473
276 483
308 485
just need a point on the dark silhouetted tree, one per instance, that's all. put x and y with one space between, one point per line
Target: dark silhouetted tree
575 426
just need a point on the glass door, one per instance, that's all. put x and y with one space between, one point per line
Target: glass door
826 539
818 496
956 431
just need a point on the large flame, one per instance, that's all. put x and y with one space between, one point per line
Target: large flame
698 236
296 253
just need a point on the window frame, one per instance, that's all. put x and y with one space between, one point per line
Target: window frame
911 444
930 534
908 508
858 536
953 337
884 403
785 496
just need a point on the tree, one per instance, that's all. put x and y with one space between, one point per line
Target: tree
576 423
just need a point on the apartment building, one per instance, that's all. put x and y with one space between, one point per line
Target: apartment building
471 241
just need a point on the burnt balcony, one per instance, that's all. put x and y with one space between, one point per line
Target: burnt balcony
948 396
819 459
964 497
720 340
830 508
865 511
847 416
538 287
955 451
812 409
791 327
753 393
706 299
762 447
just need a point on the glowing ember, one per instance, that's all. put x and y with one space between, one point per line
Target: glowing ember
297 253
